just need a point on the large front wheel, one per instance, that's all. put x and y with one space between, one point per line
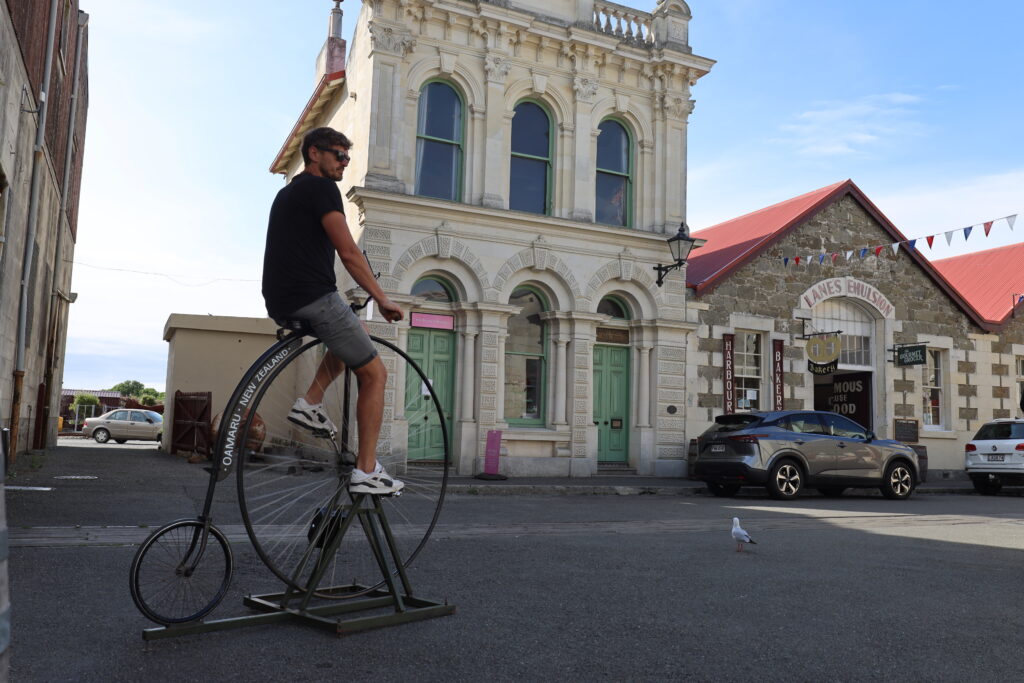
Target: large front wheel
785 480
293 483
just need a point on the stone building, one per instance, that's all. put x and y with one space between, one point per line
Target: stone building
769 282
43 104
516 171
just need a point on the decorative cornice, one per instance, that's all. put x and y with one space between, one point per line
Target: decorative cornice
585 88
386 39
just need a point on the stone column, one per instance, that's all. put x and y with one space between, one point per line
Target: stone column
561 377
499 407
469 379
584 163
643 393
495 194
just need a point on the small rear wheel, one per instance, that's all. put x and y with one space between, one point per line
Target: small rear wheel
181 572
785 480
722 490
986 484
898 482
101 435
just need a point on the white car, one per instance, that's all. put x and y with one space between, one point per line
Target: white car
995 456
124 424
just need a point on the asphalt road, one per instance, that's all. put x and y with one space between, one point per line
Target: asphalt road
578 588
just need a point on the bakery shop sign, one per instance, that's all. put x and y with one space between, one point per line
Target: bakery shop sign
823 353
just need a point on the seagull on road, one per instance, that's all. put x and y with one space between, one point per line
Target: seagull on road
739 535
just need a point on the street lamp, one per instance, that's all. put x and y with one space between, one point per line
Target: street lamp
680 244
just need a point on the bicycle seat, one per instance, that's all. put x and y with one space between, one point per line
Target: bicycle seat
300 326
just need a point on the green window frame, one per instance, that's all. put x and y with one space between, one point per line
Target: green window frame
434 288
439 141
526 360
532 152
613 187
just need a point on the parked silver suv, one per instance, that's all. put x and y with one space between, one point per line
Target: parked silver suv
995 456
786 451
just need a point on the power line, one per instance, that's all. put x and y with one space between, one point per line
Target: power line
172 278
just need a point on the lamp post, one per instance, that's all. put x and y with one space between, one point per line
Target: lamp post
680 244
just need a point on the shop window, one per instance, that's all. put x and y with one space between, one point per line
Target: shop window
614 190
857 329
530 168
439 132
433 289
525 361
933 391
1020 382
748 364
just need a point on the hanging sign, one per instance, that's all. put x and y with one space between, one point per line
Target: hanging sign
728 372
823 354
911 355
777 376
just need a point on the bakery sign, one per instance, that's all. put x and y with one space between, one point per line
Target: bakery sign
823 354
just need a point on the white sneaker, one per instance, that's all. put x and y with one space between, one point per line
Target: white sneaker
376 484
311 417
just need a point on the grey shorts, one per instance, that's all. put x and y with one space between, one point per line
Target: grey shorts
340 330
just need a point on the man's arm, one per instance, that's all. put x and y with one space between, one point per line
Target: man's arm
355 263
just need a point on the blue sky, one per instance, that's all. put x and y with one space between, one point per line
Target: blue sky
918 102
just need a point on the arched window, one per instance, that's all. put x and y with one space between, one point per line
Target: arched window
614 188
857 327
439 142
530 168
525 363
612 306
433 289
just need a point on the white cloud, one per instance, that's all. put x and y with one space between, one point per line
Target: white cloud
853 128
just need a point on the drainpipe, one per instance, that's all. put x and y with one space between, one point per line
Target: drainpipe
30 235
58 297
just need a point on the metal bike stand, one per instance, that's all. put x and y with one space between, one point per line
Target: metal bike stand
276 607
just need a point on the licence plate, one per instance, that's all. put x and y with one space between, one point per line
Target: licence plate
718 448
995 458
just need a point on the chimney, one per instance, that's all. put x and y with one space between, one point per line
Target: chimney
332 55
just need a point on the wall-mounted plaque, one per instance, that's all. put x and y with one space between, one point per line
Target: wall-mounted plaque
612 335
905 430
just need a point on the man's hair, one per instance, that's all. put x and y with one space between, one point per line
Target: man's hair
323 138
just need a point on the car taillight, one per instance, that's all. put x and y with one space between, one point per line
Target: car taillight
970 448
746 438
1019 447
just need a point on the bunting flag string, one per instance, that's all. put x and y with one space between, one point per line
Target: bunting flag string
908 245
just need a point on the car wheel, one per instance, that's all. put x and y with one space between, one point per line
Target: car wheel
121 440
785 480
831 491
723 490
898 482
986 484
101 435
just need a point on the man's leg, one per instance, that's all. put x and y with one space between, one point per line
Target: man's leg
370 411
330 368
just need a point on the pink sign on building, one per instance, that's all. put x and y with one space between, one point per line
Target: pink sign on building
433 321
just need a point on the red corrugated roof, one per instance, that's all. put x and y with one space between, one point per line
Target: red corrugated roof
735 242
988 280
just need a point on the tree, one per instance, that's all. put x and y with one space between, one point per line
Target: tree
129 387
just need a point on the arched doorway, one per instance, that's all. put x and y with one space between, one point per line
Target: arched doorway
849 390
431 343
611 383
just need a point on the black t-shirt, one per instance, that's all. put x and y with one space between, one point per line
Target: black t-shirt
298 263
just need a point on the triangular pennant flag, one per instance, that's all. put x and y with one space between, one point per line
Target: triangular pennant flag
810 260
796 260
988 226
967 231
785 261
911 244
849 254
834 255
1021 298
878 249
821 259
949 236
931 238
863 252
895 247
1011 220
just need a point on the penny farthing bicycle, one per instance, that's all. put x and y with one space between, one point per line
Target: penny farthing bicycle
319 540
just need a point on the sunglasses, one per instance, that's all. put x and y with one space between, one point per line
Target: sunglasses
338 154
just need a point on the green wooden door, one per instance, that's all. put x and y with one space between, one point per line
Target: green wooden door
611 402
434 351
